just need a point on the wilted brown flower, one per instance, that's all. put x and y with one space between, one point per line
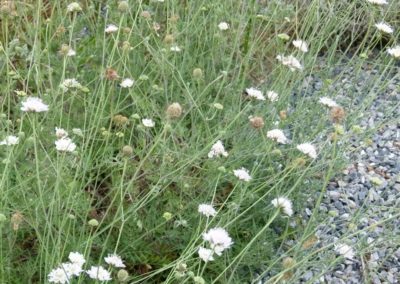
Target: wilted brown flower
145 14
257 122
283 114
120 120
16 219
174 110
169 39
111 74
312 240
337 114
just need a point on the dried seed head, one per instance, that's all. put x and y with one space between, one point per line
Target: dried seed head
310 242
145 14
283 114
288 262
111 74
60 30
257 122
337 114
123 6
16 220
299 162
120 120
197 73
174 110
169 39
127 151
64 49
174 19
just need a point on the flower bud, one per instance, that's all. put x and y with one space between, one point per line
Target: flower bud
167 216
123 6
122 275
93 223
197 73
127 151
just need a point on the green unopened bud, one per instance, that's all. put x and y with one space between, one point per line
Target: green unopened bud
123 6
122 275
222 169
199 280
167 216
93 223
197 73
284 37
127 151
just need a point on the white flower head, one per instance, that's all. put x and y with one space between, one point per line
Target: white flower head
71 52
74 7
378 2
308 149
111 28
223 26
207 210
61 133
395 51
345 250
254 93
242 174
284 204
217 150
328 102
277 135
290 61
148 122
384 27
77 131
71 269
99 273
206 254
301 45
70 84
77 258
34 104
175 48
10 140
127 83
219 240
272 96
114 260
58 275
65 145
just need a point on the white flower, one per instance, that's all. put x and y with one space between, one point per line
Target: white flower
61 133
65 145
308 149
301 45
70 84
328 102
277 135
74 7
207 210
206 254
99 273
395 51
111 29
223 26
10 140
127 83
114 260
290 61
218 239
71 52
175 48
77 131
148 122
71 269
272 96
77 258
58 275
217 150
242 174
33 104
254 93
384 27
378 2
345 250
283 203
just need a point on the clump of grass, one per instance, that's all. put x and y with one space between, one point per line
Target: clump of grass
149 109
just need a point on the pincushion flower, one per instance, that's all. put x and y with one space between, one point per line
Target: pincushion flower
218 239
223 26
58 275
206 254
99 273
328 102
345 250
70 84
127 83
74 7
290 61
76 257
65 145
284 204
111 28
242 174
114 260
71 269
277 135
148 122
254 93
395 51
207 210
61 133
378 2
217 150
301 45
308 149
384 27
272 96
34 104
175 48
10 140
